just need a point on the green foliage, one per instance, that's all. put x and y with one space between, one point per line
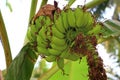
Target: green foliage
5 41
22 66
112 44
40 69
77 70
100 9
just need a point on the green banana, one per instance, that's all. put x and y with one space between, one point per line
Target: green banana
68 55
89 24
79 17
60 63
64 20
59 48
33 30
29 35
90 18
57 33
49 33
59 24
48 21
54 52
85 19
72 56
58 41
71 18
37 23
50 58
96 29
41 42
43 51
42 33
56 16
65 53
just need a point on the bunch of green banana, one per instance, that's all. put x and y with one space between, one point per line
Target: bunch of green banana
34 27
55 38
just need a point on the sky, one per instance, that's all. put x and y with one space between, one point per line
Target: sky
16 23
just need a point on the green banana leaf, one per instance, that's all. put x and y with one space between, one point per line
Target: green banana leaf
114 25
112 30
77 70
22 66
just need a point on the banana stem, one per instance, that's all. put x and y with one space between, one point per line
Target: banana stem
33 9
93 3
32 13
51 72
5 42
43 3
69 4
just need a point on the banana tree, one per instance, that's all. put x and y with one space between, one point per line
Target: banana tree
67 37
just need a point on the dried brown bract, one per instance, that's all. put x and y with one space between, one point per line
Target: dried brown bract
86 45
47 10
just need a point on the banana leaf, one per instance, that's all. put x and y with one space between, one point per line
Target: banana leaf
77 70
22 66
